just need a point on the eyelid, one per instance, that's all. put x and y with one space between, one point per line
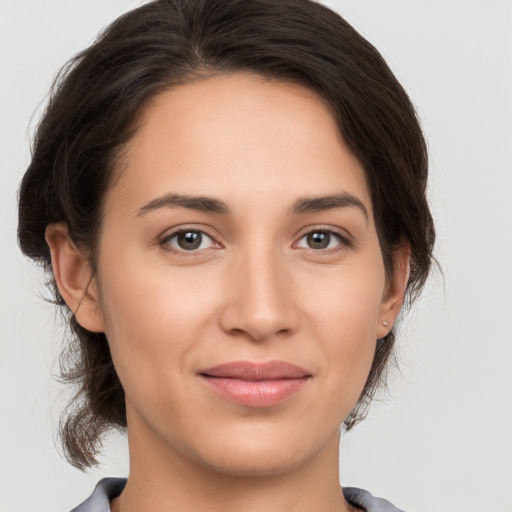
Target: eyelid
346 239
168 235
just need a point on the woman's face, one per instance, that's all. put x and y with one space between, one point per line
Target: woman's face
242 287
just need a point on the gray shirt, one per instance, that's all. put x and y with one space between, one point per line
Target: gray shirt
109 488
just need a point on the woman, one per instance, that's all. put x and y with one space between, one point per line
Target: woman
230 198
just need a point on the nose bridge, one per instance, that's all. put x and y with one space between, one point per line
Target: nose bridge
261 299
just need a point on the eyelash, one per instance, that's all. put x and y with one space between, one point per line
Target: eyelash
344 241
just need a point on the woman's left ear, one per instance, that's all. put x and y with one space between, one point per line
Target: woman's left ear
394 292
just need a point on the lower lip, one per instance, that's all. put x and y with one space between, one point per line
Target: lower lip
261 393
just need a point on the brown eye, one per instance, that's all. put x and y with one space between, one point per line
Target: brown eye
318 239
322 239
188 240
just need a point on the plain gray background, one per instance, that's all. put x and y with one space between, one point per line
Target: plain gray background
440 440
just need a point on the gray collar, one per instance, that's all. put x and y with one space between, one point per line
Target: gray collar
109 488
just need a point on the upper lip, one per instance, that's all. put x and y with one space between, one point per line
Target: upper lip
246 370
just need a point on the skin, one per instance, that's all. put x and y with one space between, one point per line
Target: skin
255 290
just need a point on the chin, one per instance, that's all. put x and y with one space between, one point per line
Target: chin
256 456
253 465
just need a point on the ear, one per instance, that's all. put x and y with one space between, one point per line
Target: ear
73 275
394 292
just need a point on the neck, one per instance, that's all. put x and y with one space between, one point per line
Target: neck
164 480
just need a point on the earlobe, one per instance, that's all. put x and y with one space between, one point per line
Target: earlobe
72 272
395 290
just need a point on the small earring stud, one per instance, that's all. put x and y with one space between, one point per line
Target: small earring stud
385 323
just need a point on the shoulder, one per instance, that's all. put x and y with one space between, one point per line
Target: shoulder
363 499
99 500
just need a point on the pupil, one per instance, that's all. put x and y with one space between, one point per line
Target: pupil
189 240
318 240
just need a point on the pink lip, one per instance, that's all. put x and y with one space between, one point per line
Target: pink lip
255 384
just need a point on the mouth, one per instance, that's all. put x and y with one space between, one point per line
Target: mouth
255 384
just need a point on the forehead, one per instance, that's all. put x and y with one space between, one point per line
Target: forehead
239 137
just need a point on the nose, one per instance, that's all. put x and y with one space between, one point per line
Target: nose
260 302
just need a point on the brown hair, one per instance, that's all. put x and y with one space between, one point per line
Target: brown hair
93 111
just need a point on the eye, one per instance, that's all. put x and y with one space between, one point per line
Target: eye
187 240
323 239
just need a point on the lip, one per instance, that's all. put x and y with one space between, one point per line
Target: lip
255 384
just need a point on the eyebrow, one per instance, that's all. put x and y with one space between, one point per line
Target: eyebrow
199 203
319 203
305 204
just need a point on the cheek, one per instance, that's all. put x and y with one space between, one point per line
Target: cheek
345 320
347 301
153 318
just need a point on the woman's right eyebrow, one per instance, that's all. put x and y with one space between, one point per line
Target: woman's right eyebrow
302 205
199 203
